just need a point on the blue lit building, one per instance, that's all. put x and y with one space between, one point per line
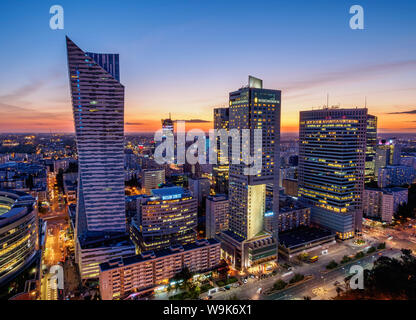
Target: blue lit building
167 217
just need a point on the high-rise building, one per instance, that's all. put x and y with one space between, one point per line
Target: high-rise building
332 146
167 131
396 175
200 188
253 107
216 217
152 179
370 153
220 170
98 110
382 204
167 217
167 126
381 160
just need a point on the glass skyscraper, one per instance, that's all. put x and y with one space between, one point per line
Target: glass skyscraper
220 170
251 108
370 153
98 109
332 149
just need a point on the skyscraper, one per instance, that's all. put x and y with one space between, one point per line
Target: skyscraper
332 146
220 170
98 109
167 217
370 153
251 108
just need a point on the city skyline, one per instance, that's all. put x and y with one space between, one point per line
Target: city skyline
177 61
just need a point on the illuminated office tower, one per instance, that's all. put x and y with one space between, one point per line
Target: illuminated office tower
220 170
98 110
245 243
388 152
370 154
167 217
332 146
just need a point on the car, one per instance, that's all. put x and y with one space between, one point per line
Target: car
245 280
227 287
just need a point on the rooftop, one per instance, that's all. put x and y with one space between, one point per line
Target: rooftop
149 255
302 236
169 193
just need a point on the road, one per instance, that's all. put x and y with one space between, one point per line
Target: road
250 290
326 281
322 286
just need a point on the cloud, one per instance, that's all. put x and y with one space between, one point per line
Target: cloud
23 113
351 74
134 123
403 112
194 121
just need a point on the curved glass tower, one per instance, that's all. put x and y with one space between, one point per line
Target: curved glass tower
98 107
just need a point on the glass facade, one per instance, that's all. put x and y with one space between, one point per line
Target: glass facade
332 147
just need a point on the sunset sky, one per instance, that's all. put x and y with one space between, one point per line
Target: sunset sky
184 57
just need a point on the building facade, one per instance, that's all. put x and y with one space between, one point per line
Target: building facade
253 107
332 150
370 153
98 109
200 188
168 217
221 169
123 276
396 175
152 179
382 204
217 215
19 233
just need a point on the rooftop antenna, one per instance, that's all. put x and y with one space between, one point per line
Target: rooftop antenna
169 116
366 102
327 100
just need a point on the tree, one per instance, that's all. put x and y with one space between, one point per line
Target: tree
332 265
359 255
345 259
279 285
381 246
296 278
184 275
390 278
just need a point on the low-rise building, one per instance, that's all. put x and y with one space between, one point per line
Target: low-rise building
292 214
145 271
302 240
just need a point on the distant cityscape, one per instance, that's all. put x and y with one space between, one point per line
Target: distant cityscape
91 215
